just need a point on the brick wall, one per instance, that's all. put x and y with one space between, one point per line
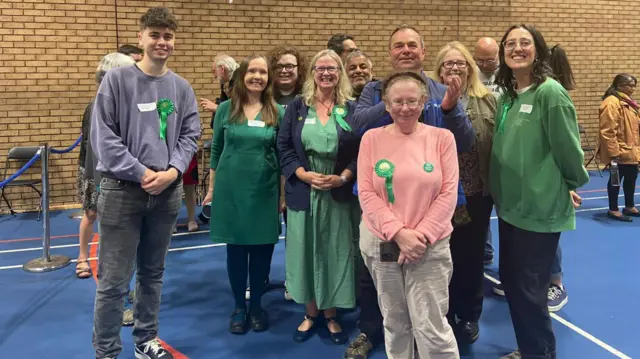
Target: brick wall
49 50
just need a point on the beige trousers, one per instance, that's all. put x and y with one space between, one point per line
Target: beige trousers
414 300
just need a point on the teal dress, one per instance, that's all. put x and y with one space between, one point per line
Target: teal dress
246 192
320 247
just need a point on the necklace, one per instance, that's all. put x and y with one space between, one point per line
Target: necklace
325 106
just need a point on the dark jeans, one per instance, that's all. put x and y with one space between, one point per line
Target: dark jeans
135 232
556 268
628 176
370 317
254 261
525 271
467 252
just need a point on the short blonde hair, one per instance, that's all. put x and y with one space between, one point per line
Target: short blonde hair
343 90
475 87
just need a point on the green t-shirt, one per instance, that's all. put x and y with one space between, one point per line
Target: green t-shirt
537 159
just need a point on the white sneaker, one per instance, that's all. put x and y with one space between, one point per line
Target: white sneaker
514 355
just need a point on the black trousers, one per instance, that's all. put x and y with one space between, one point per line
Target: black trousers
526 259
467 252
370 317
628 176
254 261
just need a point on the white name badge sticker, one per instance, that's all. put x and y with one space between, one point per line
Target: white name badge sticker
254 123
146 107
310 121
526 108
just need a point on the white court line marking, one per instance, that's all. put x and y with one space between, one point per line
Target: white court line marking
578 330
177 249
587 209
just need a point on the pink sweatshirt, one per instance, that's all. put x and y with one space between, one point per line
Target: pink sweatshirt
425 182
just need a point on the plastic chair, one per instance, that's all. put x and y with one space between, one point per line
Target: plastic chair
588 148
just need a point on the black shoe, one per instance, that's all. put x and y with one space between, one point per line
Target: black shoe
300 336
151 350
629 213
340 337
238 323
622 217
359 348
259 322
468 332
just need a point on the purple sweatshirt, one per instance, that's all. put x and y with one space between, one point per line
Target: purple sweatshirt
125 124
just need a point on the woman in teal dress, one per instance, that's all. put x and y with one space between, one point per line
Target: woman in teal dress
245 188
318 151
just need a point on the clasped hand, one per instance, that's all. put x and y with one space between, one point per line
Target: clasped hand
321 182
413 245
155 183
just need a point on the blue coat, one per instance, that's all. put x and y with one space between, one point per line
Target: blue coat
371 113
292 155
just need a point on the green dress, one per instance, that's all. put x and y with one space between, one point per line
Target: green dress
320 248
246 197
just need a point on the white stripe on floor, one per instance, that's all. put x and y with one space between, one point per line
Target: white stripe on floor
576 329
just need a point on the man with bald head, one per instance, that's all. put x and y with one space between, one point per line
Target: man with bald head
486 56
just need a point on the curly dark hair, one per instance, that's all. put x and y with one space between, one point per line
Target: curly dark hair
158 17
335 43
541 69
274 55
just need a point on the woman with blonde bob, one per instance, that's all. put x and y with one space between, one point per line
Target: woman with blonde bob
318 150
467 239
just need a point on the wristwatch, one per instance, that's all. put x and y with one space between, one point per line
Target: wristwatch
343 178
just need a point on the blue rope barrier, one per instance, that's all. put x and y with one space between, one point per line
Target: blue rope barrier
21 171
68 149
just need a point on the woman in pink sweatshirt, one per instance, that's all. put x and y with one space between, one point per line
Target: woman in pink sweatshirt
407 182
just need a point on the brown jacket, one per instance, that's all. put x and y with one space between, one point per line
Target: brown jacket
619 132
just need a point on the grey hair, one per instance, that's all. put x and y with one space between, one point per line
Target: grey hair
358 53
110 61
228 62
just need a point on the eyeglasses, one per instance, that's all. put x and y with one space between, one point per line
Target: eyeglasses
483 62
329 69
411 104
510 45
449 64
286 67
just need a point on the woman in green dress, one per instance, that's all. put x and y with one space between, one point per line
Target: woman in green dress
318 151
245 188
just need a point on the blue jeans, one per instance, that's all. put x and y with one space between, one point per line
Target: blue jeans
135 232
556 269
488 244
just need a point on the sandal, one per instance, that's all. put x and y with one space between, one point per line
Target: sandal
192 226
84 272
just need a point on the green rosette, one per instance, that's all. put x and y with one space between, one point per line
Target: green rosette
384 169
165 108
340 113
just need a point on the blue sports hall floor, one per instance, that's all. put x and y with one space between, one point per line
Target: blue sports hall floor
50 315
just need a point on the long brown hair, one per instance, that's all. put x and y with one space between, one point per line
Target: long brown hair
240 96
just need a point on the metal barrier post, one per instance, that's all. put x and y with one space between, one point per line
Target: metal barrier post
48 262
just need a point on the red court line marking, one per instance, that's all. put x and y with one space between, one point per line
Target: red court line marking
593 190
56 237
37 238
93 253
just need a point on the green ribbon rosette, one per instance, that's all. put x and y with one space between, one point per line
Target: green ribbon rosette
384 169
503 117
340 113
165 108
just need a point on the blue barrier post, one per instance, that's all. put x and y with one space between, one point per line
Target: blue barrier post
48 262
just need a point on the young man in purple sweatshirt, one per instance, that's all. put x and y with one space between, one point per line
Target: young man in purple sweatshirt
144 129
